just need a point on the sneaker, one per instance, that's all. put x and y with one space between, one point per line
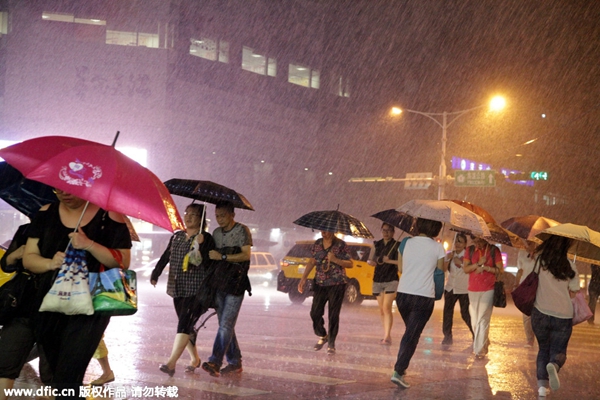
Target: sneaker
399 380
553 376
232 369
542 391
211 368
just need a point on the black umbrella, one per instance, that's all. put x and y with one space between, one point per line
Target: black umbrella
334 221
25 195
398 219
207 191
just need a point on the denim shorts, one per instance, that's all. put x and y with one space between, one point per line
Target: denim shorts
384 287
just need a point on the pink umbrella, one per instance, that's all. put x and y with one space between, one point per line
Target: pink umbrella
97 173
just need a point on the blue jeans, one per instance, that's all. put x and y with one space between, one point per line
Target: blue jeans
553 336
415 311
228 308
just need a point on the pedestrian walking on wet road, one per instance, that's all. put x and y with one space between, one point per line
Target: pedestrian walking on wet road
456 288
483 263
417 260
233 243
552 314
385 278
187 255
331 257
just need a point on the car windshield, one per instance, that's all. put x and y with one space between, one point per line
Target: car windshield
300 251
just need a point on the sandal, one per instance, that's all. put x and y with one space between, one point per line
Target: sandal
331 351
191 368
165 368
321 343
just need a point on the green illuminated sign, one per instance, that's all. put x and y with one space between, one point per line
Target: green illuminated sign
539 176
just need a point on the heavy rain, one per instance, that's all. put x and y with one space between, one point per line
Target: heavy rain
353 107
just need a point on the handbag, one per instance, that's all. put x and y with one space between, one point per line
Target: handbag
524 295
581 310
70 292
499 295
229 277
11 295
114 290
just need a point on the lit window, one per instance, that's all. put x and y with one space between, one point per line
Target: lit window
258 63
342 88
304 76
214 50
132 39
60 17
3 23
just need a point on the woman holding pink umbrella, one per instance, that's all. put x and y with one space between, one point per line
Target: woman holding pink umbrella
69 341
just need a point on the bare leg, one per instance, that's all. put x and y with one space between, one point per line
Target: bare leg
388 317
5 383
101 355
182 341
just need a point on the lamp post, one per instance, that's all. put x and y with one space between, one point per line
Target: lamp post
447 118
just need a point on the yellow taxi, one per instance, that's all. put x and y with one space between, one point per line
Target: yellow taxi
360 276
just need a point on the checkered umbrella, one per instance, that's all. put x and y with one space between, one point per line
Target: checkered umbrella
207 191
334 221
398 219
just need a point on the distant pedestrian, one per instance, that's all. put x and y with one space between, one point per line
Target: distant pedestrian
385 278
594 290
484 264
415 299
331 257
456 288
233 243
552 315
525 264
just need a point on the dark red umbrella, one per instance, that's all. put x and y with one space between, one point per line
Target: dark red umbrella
97 173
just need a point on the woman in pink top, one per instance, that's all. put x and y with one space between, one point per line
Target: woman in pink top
483 263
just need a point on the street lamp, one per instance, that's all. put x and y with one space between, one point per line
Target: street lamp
447 118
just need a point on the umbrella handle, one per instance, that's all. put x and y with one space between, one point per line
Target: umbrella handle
87 203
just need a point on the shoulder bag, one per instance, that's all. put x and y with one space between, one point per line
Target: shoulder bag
524 295
114 290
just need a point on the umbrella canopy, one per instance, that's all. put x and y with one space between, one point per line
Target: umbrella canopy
334 221
447 212
207 191
487 217
23 194
503 236
586 241
398 219
528 226
97 173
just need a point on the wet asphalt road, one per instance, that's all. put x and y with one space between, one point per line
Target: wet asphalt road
279 362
